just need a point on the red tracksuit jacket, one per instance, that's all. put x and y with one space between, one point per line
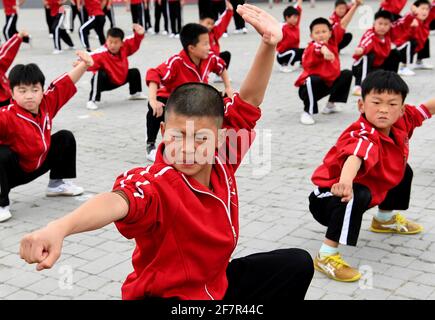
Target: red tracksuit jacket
404 33
180 69
384 159
116 66
185 233
371 42
314 63
29 135
8 51
54 7
218 30
93 7
394 6
290 35
8 7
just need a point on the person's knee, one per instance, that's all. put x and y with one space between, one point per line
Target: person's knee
361 196
301 261
64 137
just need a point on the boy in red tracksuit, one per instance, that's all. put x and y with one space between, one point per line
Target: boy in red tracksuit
288 51
374 50
322 75
8 52
27 147
394 7
341 8
193 64
111 69
411 35
367 167
96 21
182 211
216 28
57 14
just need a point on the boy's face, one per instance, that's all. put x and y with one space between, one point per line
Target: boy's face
382 109
382 26
341 10
28 97
321 33
114 44
208 23
422 12
202 48
190 142
292 20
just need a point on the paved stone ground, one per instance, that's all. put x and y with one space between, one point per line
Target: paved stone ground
273 186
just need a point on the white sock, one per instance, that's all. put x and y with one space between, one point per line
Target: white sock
326 250
384 215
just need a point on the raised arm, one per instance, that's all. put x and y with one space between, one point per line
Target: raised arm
44 246
349 15
80 66
254 86
430 105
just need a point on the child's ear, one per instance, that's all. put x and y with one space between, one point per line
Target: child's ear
361 105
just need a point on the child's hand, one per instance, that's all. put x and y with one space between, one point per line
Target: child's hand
229 92
343 190
157 107
42 247
85 57
138 29
359 2
327 54
359 51
23 34
266 25
229 5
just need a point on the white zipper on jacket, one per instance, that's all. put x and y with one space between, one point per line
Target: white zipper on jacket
42 135
208 293
201 79
227 209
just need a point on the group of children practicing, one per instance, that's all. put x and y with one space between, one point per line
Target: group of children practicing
182 211
390 44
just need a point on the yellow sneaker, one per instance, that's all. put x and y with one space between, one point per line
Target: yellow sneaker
336 268
397 224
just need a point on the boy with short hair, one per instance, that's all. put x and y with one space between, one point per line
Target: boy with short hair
8 52
27 148
367 167
341 9
193 64
216 27
111 69
411 36
182 211
288 51
374 50
322 75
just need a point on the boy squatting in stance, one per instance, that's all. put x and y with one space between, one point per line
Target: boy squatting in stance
27 147
367 167
183 213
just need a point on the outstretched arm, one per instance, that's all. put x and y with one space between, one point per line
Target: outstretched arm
349 171
254 86
430 105
80 66
349 15
44 246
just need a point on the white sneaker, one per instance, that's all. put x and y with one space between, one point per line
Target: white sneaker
72 48
330 108
357 91
225 35
50 36
150 31
164 33
177 36
307 119
405 71
55 51
172 35
245 31
138 96
237 31
420 65
5 214
285 69
66 189
91 105
151 156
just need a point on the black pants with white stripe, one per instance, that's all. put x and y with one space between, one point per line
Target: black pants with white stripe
10 27
226 56
96 23
175 16
364 65
153 122
315 89
159 10
60 161
238 20
279 275
343 219
59 32
290 56
100 82
110 14
347 38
